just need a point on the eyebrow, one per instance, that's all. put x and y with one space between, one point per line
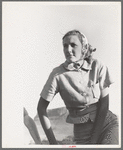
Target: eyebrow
74 43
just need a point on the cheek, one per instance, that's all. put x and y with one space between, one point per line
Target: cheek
78 53
64 51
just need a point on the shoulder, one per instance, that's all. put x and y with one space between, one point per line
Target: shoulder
58 70
98 63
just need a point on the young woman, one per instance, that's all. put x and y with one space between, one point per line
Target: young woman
83 84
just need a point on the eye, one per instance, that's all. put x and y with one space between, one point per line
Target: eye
73 45
65 45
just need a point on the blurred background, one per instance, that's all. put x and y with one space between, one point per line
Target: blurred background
32 46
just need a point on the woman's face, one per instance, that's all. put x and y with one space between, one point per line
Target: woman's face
72 48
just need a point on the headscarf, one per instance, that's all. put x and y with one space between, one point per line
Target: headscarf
87 49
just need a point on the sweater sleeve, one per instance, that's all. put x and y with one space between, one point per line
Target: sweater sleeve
105 79
50 88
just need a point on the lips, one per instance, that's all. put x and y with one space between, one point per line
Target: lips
69 55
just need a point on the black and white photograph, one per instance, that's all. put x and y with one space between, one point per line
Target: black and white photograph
61 74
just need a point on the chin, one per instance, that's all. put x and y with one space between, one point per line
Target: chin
71 61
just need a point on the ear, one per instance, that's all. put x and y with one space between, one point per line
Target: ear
84 52
86 46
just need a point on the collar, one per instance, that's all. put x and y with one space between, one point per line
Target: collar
77 65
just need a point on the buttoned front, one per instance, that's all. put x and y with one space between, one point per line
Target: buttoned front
77 87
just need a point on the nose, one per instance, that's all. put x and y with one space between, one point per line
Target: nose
69 49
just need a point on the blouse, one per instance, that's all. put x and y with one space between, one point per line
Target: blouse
76 84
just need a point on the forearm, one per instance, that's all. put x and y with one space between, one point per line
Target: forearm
100 118
47 128
45 121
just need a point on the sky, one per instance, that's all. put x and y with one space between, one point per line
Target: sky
32 46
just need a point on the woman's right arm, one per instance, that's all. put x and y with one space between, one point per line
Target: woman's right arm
42 106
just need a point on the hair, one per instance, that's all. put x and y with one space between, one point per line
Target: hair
89 54
87 48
